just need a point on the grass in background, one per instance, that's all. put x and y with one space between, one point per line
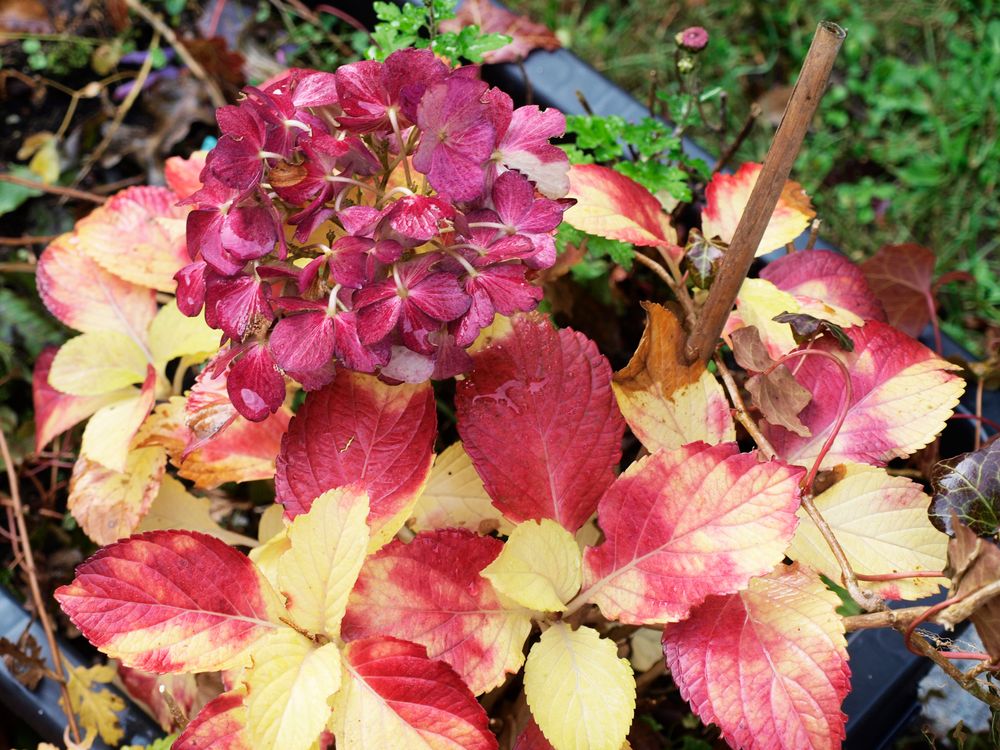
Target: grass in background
906 147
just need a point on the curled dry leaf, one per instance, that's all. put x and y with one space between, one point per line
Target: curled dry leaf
777 394
974 562
666 401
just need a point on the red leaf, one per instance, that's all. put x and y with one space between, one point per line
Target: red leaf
220 725
685 524
768 666
358 429
392 690
614 206
430 591
539 420
532 738
171 601
902 395
901 277
821 278
526 35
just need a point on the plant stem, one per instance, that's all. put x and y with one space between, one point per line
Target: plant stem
742 416
82 195
36 593
777 166
745 131
215 94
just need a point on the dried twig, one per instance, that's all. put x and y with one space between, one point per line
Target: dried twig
745 131
214 92
82 195
742 415
36 592
777 166
123 109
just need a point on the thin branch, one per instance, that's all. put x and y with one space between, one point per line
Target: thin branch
82 195
813 233
742 415
745 131
122 111
973 686
214 92
36 593
764 197
42 239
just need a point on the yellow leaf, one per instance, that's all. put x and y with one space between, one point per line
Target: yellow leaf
455 497
97 362
96 706
272 522
539 567
580 693
266 556
108 504
882 525
109 433
175 508
44 152
328 546
757 303
288 688
173 334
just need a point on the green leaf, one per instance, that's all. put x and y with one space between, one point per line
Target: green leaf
26 324
12 196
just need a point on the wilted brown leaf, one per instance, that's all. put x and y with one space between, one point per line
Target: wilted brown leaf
777 394
495 19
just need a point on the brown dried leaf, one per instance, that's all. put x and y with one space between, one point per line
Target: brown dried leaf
777 394
24 660
974 562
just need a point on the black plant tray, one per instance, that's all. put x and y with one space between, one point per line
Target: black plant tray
40 708
882 701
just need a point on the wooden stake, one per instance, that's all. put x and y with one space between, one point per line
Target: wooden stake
778 163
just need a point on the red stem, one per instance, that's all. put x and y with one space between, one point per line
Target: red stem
972 655
213 24
845 403
932 308
927 613
979 418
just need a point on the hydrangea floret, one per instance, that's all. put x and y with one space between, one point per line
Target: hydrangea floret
375 218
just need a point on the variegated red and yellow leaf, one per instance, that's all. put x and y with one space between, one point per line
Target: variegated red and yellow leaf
393 697
667 402
686 524
727 195
539 420
56 412
183 176
220 725
902 395
327 548
616 207
138 235
288 689
86 297
360 430
456 498
109 504
172 601
581 694
430 591
768 666
882 525
825 284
